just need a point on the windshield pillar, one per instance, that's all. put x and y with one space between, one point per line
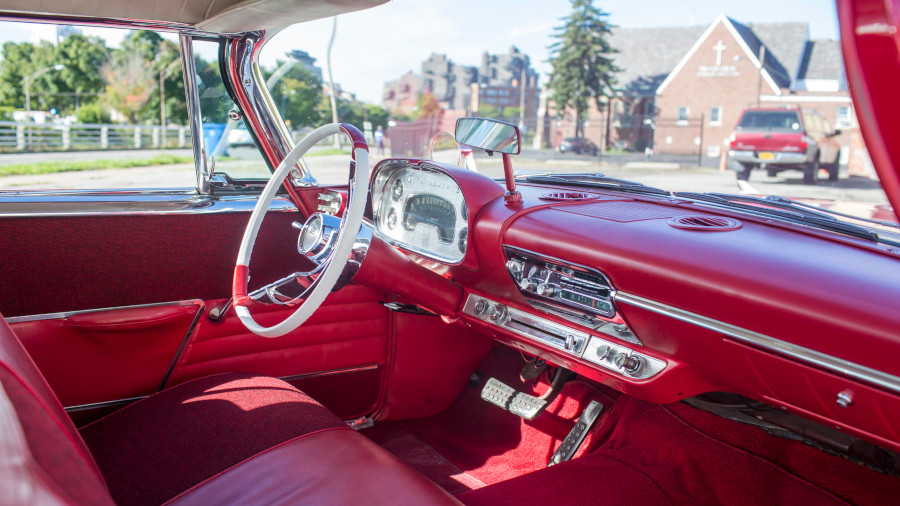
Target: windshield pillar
244 80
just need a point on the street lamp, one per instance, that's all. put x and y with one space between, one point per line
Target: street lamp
28 80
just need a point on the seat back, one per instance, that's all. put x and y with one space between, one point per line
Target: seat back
42 457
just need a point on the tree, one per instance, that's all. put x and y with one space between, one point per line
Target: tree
130 81
297 95
20 61
82 58
429 106
582 67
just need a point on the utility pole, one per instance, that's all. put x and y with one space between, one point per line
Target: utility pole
162 99
334 114
762 62
522 77
28 80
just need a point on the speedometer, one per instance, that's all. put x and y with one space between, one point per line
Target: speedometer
421 210
431 210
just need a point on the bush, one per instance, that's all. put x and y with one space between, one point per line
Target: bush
6 113
92 113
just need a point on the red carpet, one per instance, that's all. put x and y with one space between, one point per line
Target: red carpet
639 453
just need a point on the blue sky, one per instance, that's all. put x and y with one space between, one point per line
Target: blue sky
380 44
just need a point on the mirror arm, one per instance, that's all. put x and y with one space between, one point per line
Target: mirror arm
512 197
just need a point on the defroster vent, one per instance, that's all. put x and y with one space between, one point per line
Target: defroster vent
705 223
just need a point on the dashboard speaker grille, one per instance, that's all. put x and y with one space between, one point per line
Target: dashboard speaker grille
707 223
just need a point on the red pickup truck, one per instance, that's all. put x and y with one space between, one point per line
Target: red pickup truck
783 139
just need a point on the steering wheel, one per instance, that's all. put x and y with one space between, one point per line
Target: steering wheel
328 241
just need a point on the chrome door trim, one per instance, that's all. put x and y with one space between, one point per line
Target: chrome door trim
68 314
332 372
104 404
192 97
128 203
783 348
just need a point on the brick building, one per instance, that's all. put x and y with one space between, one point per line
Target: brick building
682 89
497 82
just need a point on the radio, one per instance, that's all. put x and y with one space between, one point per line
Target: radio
567 289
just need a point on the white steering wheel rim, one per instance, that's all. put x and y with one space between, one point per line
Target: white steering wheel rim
350 224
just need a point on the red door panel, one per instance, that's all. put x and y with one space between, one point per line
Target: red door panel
348 331
107 355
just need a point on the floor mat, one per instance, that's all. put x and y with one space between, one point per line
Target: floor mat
639 453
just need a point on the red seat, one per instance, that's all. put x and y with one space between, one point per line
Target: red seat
229 438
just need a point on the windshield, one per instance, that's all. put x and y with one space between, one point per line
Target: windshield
663 95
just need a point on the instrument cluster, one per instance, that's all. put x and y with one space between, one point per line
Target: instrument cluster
421 210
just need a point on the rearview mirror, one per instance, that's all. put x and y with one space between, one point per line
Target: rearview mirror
488 134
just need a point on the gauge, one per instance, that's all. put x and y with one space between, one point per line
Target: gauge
463 240
392 219
430 210
397 190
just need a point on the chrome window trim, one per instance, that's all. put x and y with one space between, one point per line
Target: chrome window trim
129 203
192 97
783 348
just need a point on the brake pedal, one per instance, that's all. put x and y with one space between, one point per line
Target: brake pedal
576 436
518 403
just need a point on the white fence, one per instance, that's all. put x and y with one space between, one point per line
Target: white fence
20 136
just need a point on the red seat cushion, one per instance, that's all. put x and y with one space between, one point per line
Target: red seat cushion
328 467
156 448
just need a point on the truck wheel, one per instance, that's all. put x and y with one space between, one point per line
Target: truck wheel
771 172
833 171
744 173
811 172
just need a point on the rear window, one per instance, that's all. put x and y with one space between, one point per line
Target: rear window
770 120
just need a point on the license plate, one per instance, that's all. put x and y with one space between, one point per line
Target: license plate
766 155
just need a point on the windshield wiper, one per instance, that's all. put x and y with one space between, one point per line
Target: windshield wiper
594 180
781 207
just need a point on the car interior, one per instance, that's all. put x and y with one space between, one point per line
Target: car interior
423 334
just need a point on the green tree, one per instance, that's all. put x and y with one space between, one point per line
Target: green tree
297 95
581 61
81 78
20 61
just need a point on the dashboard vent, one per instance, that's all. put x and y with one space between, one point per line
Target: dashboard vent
569 196
707 223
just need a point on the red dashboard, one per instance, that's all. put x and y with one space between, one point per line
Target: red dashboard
800 319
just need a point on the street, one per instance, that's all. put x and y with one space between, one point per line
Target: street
331 169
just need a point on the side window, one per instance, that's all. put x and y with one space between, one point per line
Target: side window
92 108
226 140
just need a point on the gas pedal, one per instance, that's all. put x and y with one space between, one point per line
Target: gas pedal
576 436
518 403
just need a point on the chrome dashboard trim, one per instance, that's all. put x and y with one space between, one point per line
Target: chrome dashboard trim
30 204
784 348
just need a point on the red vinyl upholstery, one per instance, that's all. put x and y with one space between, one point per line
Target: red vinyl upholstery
229 438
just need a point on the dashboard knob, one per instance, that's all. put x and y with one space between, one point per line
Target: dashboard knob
604 351
515 268
547 290
629 363
528 284
498 314
570 342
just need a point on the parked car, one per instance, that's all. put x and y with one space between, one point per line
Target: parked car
782 139
423 334
578 145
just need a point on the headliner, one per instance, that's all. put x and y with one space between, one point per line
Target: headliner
216 16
